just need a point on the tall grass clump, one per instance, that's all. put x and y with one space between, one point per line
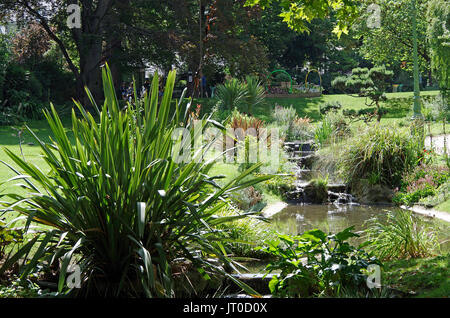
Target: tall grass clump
254 93
118 203
381 151
291 126
402 235
324 132
231 94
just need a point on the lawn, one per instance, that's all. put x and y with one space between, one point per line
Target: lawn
428 277
400 112
310 106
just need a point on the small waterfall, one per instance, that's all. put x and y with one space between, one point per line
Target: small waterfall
303 153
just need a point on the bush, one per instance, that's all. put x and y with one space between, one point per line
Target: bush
315 263
292 127
231 94
402 235
117 203
420 183
329 106
324 132
244 235
380 151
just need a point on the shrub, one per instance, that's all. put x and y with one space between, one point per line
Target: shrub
420 183
246 198
231 94
324 132
254 93
381 151
292 127
367 83
244 235
117 203
284 115
329 106
402 235
315 263
320 189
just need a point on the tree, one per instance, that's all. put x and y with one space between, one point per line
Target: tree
298 13
391 42
439 38
30 45
371 84
88 40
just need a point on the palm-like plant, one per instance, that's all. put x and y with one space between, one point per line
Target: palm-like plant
255 92
231 94
118 204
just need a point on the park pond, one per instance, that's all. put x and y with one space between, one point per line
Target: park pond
295 219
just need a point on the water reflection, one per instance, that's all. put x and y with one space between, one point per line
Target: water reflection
296 219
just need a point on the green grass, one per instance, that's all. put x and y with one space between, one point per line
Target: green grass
445 206
231 171
304 106
427 277
310 106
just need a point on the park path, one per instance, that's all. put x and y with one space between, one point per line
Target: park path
437 143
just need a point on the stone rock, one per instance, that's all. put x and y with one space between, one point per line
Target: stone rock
373 194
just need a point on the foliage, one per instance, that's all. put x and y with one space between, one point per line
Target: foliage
437 107
247 198
438 34
92 199
370 83
231 94
402 235
316 263
297 14
245 122
426 277
255 92
329 106
20 289
246 234
30 45
391 41
420 183
324 132
4 60
320 188
9 237
280 185
382 151
292 126
283 116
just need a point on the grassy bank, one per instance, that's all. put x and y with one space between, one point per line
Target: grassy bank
427 277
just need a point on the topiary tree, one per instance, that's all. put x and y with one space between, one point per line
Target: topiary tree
370 83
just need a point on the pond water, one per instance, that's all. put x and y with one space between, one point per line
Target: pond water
296 219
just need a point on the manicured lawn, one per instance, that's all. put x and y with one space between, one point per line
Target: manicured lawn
310 106
400 112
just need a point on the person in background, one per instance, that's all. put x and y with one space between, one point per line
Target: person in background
130 92
123 91
204 88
